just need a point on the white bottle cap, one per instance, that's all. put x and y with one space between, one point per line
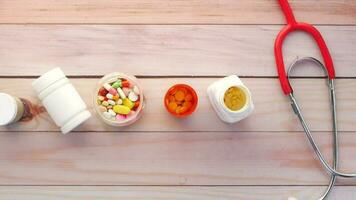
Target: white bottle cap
47 79
8 109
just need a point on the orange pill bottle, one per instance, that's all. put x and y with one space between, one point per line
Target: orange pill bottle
181 100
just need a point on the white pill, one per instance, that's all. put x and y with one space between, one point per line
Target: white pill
101 98
136 90
121 93
119 102
107 115
112 113
105 103
109 96
107 86
292 198
111 102
133 97
126 91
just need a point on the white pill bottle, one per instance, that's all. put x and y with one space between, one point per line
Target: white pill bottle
61 100
216 94
11 109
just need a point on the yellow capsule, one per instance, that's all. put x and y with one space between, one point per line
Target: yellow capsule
128 103
120 109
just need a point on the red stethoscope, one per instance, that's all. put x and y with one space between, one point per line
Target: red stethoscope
293 25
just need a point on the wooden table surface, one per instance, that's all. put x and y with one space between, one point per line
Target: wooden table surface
164 42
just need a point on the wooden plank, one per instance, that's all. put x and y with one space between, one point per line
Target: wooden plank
174 158
172 193
174 11
272 108
163 50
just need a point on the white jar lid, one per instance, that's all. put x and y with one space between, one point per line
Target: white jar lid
8 109
47 79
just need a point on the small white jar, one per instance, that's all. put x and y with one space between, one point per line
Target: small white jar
216 93
61 100
11 109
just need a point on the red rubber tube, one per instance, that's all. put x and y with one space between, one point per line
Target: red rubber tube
293 25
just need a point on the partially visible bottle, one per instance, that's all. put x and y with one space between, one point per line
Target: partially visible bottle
12 109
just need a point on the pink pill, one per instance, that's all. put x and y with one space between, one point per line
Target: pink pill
120 117
113 91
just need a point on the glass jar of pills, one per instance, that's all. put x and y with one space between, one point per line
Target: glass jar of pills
118 99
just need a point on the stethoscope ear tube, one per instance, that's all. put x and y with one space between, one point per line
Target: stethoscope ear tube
329 66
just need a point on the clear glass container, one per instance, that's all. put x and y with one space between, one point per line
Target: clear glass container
111 78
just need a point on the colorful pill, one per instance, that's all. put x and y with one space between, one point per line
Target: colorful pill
111 102
133 97
172 106
102 109
179 95
121 93
120 117
120 109
103 92
128 103
137 104
113 91
109 96
105 103
107 86
112 113
188 97
117 84
107 115
115 97
125 83
136 90
101 98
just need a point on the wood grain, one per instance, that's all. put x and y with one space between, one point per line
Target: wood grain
272 109
172 193
165 50
174 11
265 156
168 158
